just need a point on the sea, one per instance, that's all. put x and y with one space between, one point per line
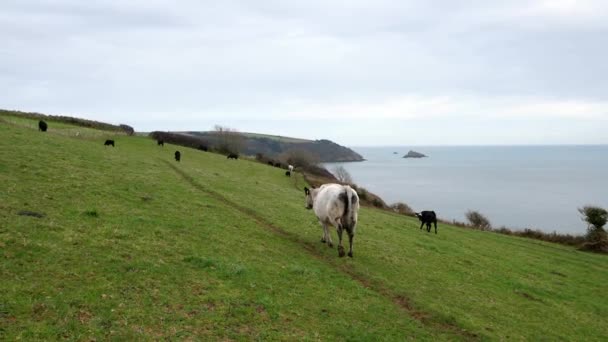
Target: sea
537 187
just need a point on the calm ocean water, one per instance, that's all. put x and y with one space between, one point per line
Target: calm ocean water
515 186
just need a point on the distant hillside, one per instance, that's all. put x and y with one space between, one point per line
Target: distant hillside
70 120
272 146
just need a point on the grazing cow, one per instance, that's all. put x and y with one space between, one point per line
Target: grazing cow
427 217
277 164
233 156
337 205
270 163
290 167
109 142
203 148
178 156
160 143
42 126
288 173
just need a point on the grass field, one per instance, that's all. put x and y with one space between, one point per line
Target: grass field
134 245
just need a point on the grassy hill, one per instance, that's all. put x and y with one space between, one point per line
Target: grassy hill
134 245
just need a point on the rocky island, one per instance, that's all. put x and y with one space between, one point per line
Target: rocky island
414 154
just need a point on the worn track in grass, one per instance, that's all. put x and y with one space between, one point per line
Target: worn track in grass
402 301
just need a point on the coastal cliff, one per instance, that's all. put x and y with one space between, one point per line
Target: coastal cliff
269 145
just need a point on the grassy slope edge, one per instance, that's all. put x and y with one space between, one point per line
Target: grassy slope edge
134 245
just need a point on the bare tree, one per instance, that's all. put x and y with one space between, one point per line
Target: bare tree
477 220
229 140
342 175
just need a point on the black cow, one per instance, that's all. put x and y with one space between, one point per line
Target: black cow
288 173
42 126
160 143
178 156
203 148
427 217
270 163
109 142
233 156
277 164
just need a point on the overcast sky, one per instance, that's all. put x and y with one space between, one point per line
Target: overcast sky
358 72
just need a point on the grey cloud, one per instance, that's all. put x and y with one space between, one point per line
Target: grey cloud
231 59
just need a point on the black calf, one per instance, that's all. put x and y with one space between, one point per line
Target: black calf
178 156
42 126
427 217
203 148
109 142
288 173
160 143
233 156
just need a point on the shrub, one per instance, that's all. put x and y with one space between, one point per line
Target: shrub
127 129
402 208
362 193
596 238
596 241
180 139
376 202
477 220
458 224
504 230
596 217
368 198
532 233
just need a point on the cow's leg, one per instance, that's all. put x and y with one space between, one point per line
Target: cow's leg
435 226
428 227
351 237
340 247
324 238
327 235
327 231
421 224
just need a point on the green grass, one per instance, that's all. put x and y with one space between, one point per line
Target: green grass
136 246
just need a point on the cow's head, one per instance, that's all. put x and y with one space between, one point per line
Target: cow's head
308 198
418 216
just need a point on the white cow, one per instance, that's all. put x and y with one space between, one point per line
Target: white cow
337 205
290 167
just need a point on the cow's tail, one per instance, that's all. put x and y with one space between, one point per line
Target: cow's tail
349 198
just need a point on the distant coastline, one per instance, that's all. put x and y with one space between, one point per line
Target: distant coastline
543 184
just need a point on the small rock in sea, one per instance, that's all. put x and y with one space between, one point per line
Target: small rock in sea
414 154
